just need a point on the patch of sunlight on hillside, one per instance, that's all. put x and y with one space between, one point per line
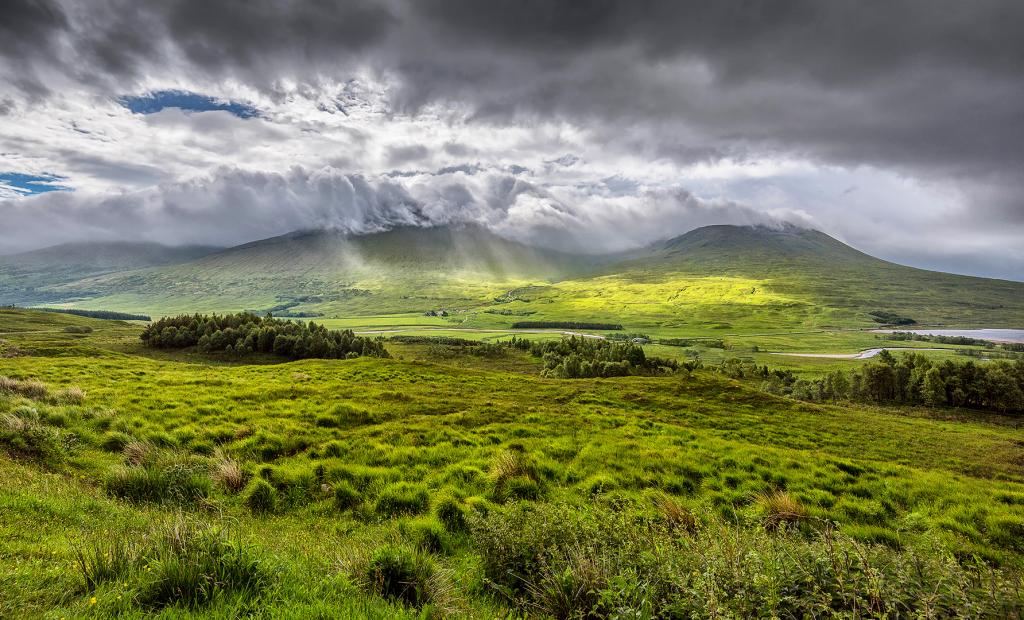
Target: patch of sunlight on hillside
674 291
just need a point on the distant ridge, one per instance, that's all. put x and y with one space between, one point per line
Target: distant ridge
23 275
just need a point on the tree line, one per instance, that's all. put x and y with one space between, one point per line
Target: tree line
958 340
575 358
564 325
245 333
98 314
912 379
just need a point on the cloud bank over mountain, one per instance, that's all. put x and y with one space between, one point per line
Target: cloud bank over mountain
589 125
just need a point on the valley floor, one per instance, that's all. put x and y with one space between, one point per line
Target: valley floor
429 486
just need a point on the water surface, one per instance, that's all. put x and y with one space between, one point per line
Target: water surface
995 335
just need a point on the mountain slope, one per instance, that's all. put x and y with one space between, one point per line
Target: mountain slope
736 277
711 278
400 270
25 277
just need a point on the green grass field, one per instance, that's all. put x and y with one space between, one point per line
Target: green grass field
137 482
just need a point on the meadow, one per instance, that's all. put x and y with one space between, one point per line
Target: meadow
439 483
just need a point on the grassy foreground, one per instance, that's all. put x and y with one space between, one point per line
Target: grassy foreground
162 483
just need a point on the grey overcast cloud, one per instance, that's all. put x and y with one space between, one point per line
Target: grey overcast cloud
895 126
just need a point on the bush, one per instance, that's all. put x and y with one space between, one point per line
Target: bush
78 329
260 496
402 498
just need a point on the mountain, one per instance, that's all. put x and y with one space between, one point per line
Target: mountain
799 277
726 243
403 269
465 249
711 278
25 277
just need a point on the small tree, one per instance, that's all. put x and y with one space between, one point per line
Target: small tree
933 390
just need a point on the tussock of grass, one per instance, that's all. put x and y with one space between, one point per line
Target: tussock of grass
160 478
228 473
452 514
404 574
23 433
70 396
676 516
260 496
30 388
345 496
514 476
137 452
402 498
780 509
182 565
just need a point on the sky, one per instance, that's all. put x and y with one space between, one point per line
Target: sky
595 125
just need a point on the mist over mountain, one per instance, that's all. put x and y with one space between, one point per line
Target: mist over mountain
588 127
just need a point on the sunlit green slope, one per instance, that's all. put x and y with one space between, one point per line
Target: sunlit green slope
731 278
740 277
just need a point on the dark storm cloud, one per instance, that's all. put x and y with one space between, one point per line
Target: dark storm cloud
29 26
927 84
929 89
907 82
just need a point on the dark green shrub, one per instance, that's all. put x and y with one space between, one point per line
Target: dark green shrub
260 496
561 562
402 499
